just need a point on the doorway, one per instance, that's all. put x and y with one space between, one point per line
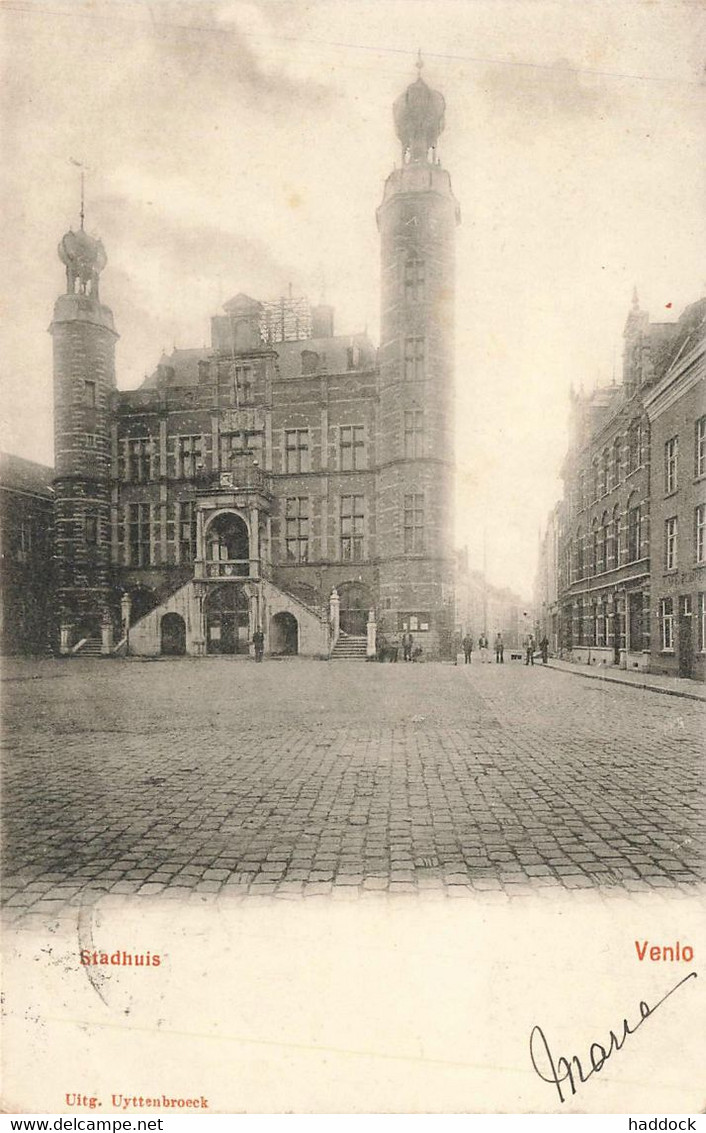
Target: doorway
356 603
173 635
284 634
226 610
635 622
685 643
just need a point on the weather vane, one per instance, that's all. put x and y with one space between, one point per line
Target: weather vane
82 167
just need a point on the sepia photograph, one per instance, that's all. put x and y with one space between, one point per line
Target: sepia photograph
353 548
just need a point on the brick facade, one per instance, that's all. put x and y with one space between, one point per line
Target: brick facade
284 460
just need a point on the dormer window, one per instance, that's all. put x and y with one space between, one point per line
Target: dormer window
310 361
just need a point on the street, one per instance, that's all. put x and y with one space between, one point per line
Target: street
188 778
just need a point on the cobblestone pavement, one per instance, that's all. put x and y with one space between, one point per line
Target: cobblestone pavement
191 778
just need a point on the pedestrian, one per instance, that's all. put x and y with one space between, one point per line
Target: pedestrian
258 640
529 649
467 644
499 649
483 648
407 643
544 648
394 647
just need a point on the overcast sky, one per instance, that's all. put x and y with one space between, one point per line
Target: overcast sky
243 146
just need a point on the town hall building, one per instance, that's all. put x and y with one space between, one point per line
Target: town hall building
287 480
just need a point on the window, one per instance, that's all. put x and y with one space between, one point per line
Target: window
296 450
352 528
634 446
701 623
310 361
140 458
700 533
413 433
91 528
604 473
666 612
633 533
242 385
700 448
296 529
579 622
414 523
615 476
617 537
139 535
414 281
580 556
671 453
670 543
352 447
413 358
190 456
243 444
89 394
187 532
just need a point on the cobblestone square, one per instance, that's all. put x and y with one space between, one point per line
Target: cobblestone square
196 778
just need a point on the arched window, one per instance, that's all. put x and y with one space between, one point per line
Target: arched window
615 463
595 547
634 445
603 545
604 473
617 535
634 517
580 558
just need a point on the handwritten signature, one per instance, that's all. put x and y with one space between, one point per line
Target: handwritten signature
569 1070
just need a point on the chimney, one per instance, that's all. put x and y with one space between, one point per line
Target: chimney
322 321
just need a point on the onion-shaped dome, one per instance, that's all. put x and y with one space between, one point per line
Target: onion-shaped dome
419 119
84 257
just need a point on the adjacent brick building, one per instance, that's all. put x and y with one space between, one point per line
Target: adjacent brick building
630 552
288 479
27 615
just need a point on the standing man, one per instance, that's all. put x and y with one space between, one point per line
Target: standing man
483 647
529 649
544 648
407 643
258 640
467 644
499 649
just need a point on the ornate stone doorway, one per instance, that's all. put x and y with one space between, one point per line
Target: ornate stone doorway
226 611
356 604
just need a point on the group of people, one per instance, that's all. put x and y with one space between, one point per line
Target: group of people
529 646
388 649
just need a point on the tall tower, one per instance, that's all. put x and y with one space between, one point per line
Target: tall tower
417 222
84 380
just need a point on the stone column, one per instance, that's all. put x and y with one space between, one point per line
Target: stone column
254 568
106 637
64 637
125 610
334 604
372 635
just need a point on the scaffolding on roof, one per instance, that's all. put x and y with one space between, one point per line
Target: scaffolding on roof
286 319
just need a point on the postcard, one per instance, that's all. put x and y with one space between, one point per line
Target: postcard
354 557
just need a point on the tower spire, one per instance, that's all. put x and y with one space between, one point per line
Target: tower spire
420 62
82 167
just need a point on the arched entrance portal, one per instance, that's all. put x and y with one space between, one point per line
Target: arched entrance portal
228 541
173 635
284 634
227 623
356 604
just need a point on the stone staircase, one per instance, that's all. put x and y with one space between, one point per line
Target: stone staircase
350 648
89 647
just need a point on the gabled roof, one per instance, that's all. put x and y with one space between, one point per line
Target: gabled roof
22 475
